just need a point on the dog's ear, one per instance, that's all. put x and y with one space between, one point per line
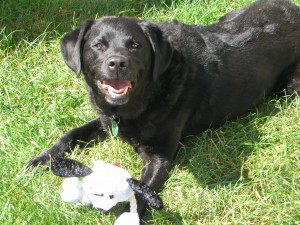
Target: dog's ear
145 192
65 167
162 49
71 46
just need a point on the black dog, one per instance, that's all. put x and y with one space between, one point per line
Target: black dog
162 82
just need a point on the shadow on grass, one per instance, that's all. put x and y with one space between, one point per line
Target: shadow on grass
216 157
26 20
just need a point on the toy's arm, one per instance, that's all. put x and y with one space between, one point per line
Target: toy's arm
131 217
73 192
128 218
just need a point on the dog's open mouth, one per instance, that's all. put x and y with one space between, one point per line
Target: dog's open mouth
115 88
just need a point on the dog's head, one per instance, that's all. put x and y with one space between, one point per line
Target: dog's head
119 57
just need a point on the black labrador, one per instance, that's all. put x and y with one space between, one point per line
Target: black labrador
163 81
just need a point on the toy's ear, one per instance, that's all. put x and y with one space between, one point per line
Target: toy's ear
161 47
65 167
71 46
144 191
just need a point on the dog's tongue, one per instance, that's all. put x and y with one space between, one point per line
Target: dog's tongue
117 86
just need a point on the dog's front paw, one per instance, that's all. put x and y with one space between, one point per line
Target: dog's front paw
40 160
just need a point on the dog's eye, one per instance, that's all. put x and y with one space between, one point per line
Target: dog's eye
100 46
133 45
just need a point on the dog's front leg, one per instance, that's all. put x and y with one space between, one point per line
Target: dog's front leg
154 173
91 131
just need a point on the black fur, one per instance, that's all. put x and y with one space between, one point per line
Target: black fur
180 79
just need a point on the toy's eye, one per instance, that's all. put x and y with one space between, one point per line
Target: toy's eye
100 195
111 196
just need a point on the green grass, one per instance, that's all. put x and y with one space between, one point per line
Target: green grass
246 172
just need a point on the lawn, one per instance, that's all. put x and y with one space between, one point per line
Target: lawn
246 172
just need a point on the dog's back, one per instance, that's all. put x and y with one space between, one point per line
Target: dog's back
246 55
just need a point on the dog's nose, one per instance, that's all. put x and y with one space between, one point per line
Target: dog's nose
117 62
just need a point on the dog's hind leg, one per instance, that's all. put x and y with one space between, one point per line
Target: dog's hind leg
293 84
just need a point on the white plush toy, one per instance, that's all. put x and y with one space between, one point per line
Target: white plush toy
103 187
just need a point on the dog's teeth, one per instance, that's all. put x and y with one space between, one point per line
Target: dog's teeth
115 95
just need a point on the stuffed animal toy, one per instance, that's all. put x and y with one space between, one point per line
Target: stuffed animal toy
103 187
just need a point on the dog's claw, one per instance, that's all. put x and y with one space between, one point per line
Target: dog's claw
43 160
